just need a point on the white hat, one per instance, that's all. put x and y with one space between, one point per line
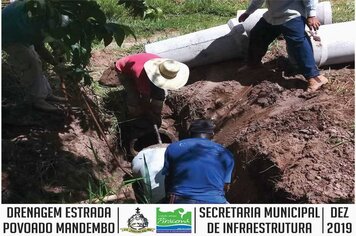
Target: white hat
167 73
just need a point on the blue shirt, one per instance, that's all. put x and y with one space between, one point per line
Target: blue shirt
198 169
17 27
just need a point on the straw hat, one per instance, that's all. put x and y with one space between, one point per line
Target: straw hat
166 73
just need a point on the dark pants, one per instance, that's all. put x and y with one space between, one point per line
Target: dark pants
298 43
176 199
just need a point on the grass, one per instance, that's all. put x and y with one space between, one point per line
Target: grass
98 191
343 10
178 15
181 23
187 16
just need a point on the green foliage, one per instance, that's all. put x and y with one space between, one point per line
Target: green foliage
217 7
75 25
97 192
144 193
182 24
131 181
343 10
141 8
112 10
147 181
184 16
142 196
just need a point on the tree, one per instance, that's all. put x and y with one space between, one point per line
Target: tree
73 27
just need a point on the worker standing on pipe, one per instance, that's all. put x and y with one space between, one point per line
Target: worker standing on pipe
289 18
146 77
196 169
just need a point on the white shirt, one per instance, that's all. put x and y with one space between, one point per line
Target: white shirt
281 11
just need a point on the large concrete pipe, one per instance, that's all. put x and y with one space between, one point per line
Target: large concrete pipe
150 159
214 44
324 13
336 45
198 48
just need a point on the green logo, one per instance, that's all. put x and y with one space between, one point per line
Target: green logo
177 221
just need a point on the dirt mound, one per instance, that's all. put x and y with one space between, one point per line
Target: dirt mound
53 158
290 145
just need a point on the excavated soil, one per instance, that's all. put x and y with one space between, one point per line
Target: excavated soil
289 145
56 157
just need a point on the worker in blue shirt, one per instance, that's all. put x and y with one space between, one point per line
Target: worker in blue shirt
23 35
196 169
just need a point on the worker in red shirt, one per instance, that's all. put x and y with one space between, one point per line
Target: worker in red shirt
146 77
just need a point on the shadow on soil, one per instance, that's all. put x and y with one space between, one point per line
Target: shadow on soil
36 168
274 71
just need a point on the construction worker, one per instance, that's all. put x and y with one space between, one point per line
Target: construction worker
22 38
288 18
146 77
197 170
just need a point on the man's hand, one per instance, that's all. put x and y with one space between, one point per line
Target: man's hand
313 23
243 17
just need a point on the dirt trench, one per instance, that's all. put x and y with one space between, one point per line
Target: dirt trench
290 146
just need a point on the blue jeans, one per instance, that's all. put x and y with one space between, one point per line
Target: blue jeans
297 40
176 199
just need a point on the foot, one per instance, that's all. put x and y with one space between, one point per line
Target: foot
42 105
316 82
54 98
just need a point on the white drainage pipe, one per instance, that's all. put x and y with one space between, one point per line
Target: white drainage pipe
198 48
215 44
154 156
336 45
324 13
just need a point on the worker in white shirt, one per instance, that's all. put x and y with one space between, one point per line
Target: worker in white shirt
289 18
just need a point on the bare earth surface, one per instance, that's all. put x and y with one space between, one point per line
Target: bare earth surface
289 145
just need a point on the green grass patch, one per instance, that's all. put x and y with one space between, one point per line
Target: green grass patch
185 16
343 10
181 23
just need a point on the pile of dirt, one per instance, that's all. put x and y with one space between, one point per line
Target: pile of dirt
54 157
289 145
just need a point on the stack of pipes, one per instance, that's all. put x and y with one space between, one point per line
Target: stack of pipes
229 41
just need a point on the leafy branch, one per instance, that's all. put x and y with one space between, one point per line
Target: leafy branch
141 8
73 26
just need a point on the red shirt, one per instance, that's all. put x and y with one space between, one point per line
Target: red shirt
132 66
